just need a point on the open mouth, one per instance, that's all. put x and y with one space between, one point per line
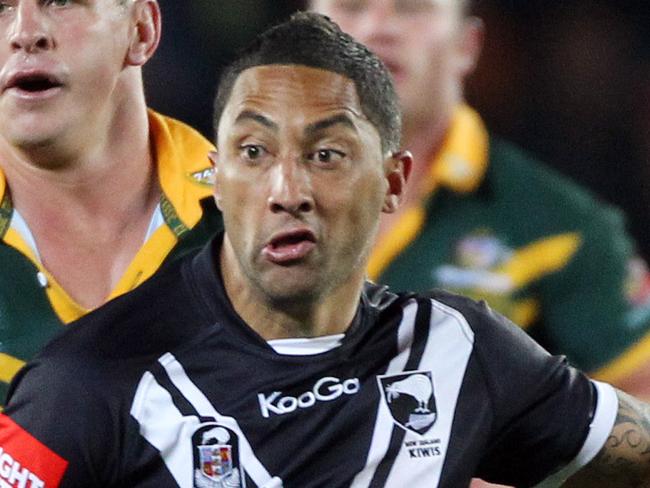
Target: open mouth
290 246
291 239
34 83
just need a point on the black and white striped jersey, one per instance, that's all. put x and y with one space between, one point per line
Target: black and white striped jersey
167 386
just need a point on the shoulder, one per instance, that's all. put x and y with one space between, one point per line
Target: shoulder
471 312
494 339
138 326
438 310
521 176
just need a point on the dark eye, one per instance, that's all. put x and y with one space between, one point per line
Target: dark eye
326 156
59 3
252 151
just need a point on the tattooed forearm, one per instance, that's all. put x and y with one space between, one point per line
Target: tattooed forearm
624 461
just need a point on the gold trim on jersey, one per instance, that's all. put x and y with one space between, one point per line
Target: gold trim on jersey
6 210
9 366
463 159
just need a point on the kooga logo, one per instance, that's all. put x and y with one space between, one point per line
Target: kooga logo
325 390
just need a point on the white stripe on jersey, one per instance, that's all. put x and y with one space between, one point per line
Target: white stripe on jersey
599 430
446 355
384 422
156 413
202 405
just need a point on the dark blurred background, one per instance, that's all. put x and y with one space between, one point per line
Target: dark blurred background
569 80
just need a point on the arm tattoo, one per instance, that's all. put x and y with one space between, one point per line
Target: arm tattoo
624 461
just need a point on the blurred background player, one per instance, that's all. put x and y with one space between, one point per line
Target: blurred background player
96 190
484 219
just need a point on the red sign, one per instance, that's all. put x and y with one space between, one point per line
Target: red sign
24 461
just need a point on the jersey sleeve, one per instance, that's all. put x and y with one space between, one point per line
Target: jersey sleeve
598 306
546 414
54 433
599 430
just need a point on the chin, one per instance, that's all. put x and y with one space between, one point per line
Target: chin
31 135
288 296
33 141
285 293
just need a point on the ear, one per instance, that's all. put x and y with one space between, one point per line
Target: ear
146 32
213 156
470 45
398 170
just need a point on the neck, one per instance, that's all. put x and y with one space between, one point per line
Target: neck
314 316
106 170
424 138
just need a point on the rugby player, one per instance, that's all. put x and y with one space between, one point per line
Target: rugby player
96 191
268 360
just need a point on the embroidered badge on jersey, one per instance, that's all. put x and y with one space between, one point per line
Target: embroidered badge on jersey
477 263
410 399
24 461
216 457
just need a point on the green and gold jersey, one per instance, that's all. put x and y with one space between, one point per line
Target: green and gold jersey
34 307
497 225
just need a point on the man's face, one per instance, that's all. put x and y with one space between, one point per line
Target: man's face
59 65
421 42
301 180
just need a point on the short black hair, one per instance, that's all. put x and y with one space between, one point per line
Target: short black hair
313 40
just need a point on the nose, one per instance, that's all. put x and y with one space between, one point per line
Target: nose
30 31
379 24
290 189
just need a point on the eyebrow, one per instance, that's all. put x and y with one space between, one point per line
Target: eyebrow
256 117
310 130
341 119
